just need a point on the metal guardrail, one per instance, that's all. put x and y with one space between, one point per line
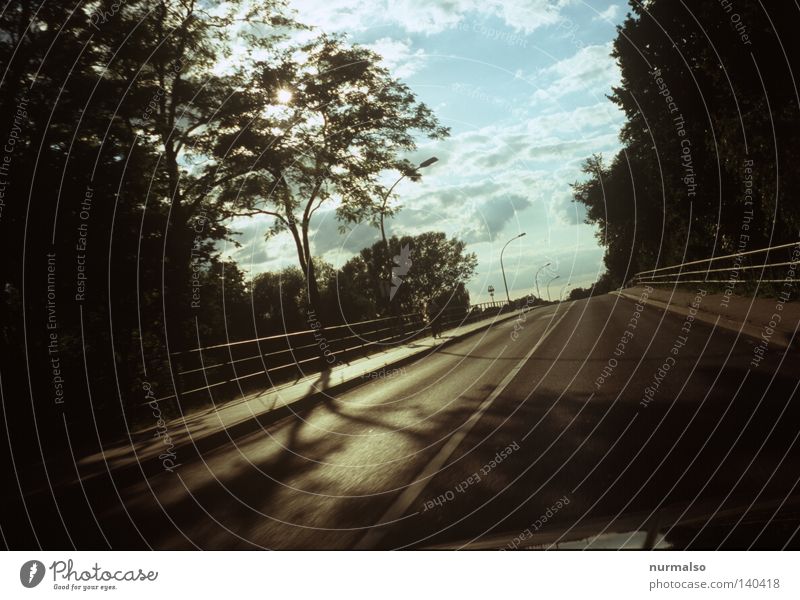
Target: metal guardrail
782 269
240 365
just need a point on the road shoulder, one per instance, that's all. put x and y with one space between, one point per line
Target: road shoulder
757 318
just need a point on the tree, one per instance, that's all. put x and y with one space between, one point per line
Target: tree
277 301
117 110
711 110
191 107
339 121
435 267
611 205
75 169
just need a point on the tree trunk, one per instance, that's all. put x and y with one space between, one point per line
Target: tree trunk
178 306
314 301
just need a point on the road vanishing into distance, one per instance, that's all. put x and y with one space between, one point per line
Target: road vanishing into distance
565 422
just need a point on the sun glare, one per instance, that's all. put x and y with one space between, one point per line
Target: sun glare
284 96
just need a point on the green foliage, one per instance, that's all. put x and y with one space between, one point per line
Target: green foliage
278 301
344 121
439 269
145 125
118 109
698 108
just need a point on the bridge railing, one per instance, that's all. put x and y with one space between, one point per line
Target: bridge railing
773 264
225 370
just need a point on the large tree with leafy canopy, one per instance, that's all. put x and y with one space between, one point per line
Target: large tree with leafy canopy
711 108
188 64
337 122
118 108
428 266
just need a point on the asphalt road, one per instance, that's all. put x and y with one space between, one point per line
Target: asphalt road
530 425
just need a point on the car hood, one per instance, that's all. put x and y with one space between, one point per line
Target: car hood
702 526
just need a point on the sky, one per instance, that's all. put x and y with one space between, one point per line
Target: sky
522 85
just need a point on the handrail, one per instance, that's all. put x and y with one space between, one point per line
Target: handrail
705 260
740 268
297 353
728 281
305 331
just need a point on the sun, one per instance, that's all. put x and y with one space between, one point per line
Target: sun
284 96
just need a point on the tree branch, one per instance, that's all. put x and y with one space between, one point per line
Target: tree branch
261 211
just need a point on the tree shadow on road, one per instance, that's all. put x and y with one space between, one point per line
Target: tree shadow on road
612 458
247 489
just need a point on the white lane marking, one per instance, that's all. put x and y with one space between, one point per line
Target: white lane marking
413 491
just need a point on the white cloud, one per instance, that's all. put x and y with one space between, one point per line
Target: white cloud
255 254
491 182
523 15
544 142
488 183
609 14
328 241
474 212
493 214
590 69
582 121
398 56
425 16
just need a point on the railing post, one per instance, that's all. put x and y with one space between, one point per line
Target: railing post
400 326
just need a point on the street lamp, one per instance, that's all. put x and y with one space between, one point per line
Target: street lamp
422 165
536 279
548 286
501 264
388 282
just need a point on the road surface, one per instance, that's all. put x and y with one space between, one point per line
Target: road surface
580 414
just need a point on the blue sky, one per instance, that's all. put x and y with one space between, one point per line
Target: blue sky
522 85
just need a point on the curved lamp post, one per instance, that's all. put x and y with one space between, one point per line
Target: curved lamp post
536 279
422 165
501 264
388 283
548 286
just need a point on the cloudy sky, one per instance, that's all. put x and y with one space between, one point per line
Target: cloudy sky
522 85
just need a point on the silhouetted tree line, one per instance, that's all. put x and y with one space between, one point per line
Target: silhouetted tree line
711 140
276 302
131 134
